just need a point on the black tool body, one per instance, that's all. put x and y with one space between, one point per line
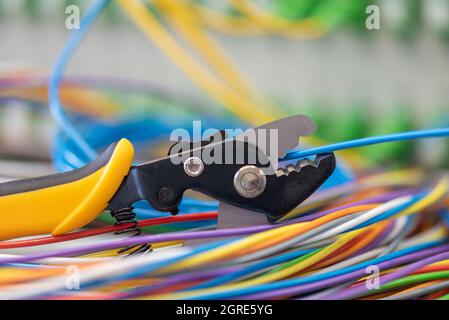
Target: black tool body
163 182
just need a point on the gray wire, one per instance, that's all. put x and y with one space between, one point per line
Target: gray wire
397 241
324 232
375 252
419 292
320 295
294 241
392 247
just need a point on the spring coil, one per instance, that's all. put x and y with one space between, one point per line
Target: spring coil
126 216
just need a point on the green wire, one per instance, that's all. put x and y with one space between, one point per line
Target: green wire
445 297
418 278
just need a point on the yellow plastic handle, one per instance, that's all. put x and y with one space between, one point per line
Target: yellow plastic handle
63 202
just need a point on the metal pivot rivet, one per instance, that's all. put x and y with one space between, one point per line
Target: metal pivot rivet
250 181
193 166
165 195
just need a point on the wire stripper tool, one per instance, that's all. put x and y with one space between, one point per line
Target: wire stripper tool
64 202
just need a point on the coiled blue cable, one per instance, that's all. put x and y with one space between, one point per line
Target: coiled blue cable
69 49
73 149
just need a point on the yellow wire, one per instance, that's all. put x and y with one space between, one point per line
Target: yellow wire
371 235
440 263
284 273
216 254
9 276
435 195
404 177
340 242
247 244
184 20
153 29
114 252
237 104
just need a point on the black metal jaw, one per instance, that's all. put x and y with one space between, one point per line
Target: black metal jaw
163 182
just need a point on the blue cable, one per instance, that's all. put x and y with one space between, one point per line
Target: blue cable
445 215
390 213
252 268
262 265
69 49
77 35
151 266
409 135
73 150
308 279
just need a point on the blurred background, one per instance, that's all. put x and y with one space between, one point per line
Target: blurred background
353 81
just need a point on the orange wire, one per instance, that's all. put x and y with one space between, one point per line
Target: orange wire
353 246
304 227
422 285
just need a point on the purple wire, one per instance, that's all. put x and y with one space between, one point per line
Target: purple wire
359 290
198 275
381 198
108 245
378 240
356 290
212 273
191 276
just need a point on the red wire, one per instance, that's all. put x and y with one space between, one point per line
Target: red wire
436 295
428 269
107 229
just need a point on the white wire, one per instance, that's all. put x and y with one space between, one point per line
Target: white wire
102 270
421 238
64 244
399 225
58 261
294 241
360 219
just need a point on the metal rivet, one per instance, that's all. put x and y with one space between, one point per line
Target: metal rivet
193 166
250 181
165 195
